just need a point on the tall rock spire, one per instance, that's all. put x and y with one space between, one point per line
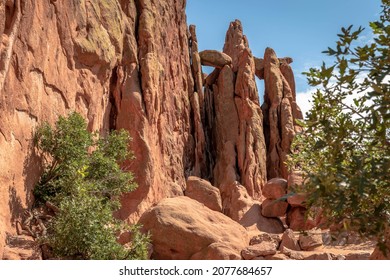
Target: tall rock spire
280 111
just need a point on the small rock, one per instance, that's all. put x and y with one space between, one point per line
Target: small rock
310 240
295 255
338 257
290 241
358 256
262 249
318 256
266 237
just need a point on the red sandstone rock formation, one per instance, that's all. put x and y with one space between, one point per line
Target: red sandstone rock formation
134 65
115 63
240 144
280 111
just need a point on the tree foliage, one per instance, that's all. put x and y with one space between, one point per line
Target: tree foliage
83 178
344 147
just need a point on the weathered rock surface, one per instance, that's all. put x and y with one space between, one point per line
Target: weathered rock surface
181 227
280 111
297 200
203 192
241 207
217 251
135 65
113 62
239 138
310 240
266 237
296 219
256 223
289 241
198 108
275 188
273 208
22 247
277 257
262 249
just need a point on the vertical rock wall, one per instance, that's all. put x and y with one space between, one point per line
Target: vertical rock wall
152 100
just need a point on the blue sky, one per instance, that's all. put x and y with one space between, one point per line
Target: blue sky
300 29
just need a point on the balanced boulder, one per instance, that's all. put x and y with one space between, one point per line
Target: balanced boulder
214 58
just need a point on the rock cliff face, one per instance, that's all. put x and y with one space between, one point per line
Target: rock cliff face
136 65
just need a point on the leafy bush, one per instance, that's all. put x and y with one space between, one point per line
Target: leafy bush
83 178
344 148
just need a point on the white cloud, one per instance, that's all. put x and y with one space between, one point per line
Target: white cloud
304 100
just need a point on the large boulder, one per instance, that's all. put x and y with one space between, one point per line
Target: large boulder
203 192
241 207
256 223
180 227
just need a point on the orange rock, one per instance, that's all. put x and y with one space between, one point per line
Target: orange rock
289 241
310 240
203 192
214 58
259 250
279 111
273 208
296 219
239 137
275 188
181 227
236 201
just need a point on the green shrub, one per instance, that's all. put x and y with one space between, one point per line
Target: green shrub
344 149
83 178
